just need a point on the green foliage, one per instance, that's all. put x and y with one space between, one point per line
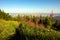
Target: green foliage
48 22
7 28
5 16
56 25
28 32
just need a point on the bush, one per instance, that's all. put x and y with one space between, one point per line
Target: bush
7 28
28 32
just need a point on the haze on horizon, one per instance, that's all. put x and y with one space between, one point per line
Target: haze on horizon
30 6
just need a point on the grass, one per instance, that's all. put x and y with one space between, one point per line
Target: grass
7 28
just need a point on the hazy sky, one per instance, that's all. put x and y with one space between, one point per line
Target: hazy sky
30 6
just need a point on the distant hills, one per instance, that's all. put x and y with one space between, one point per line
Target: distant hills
35 14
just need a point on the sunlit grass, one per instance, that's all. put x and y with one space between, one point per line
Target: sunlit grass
7 28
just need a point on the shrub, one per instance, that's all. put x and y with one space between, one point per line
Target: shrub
7 28
28 32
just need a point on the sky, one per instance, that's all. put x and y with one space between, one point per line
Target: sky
30 6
